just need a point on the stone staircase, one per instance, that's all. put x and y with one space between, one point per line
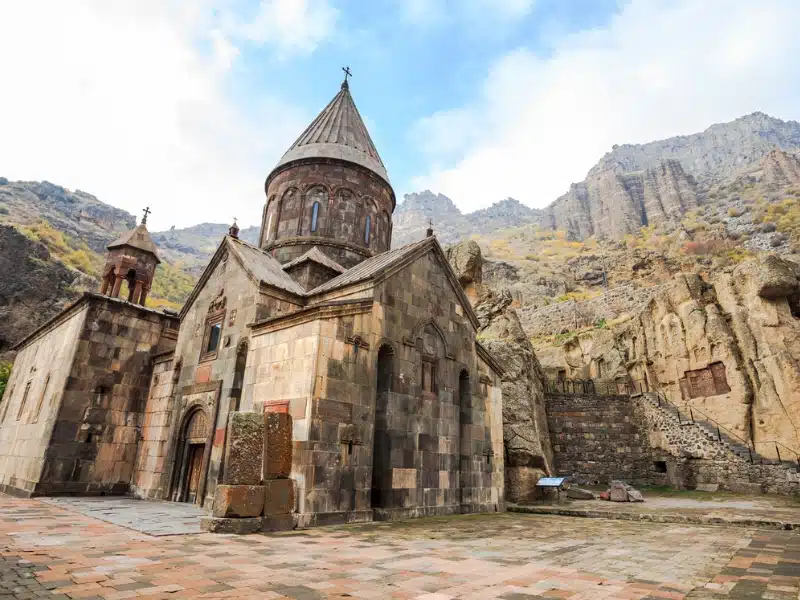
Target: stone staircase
710 431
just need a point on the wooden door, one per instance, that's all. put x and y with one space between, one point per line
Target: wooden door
195 468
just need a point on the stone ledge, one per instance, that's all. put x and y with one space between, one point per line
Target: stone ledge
231 525
655 517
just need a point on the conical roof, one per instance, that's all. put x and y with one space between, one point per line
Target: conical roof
139 238
338 132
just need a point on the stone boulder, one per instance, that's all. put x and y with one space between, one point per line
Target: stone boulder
770 276
467 262
622 492
574 493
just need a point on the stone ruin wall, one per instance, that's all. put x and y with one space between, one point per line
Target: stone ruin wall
564 317
597 439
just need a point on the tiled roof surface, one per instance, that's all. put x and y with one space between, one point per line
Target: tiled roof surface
138 237
316 255
370 267
264 268
338 132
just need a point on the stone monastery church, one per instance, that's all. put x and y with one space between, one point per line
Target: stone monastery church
366 356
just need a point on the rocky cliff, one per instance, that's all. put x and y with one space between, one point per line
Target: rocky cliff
632 186
717 153
613 203
727 347
528 452
33 288
413 216
76 214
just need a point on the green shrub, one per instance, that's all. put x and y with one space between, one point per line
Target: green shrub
5 374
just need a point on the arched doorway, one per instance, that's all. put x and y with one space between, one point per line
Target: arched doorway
191 455
381 451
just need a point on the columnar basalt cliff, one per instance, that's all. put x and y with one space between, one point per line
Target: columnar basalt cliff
526 438
728 349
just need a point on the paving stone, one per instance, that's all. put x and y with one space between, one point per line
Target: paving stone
505 555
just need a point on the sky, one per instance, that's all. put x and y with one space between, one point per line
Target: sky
186 105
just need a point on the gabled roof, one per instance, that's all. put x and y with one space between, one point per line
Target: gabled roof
370 267
259 266
263 267
338 132
317 256
388 262
139 238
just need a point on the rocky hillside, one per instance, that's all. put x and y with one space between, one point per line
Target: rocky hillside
413 216
193 246
633 186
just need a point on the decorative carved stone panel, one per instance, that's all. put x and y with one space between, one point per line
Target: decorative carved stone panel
710 381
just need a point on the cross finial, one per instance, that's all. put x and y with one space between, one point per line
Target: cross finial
347 73
147 211
429 233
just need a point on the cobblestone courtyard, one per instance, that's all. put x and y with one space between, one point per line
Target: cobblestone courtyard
54 552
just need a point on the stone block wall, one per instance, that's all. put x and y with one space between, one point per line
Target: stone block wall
25 430
151 460
213 383
412 450
699 458
599 439
94 442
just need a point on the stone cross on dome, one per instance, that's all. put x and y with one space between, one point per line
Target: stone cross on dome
347 73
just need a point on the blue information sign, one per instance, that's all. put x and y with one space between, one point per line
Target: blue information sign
551 481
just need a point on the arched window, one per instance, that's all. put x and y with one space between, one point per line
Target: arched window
385 369
314 216
464 389
367 225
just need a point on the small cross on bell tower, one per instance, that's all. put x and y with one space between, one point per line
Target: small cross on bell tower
429 233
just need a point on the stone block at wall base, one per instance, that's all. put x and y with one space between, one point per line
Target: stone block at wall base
231 525
277 445
521 484
238 501
244 449
399 514
303 520
467 509
278 496
278 523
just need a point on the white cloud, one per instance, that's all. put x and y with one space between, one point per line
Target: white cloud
128 100
478 12
658 69
293 25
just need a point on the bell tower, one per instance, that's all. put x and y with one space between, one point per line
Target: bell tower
131 264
